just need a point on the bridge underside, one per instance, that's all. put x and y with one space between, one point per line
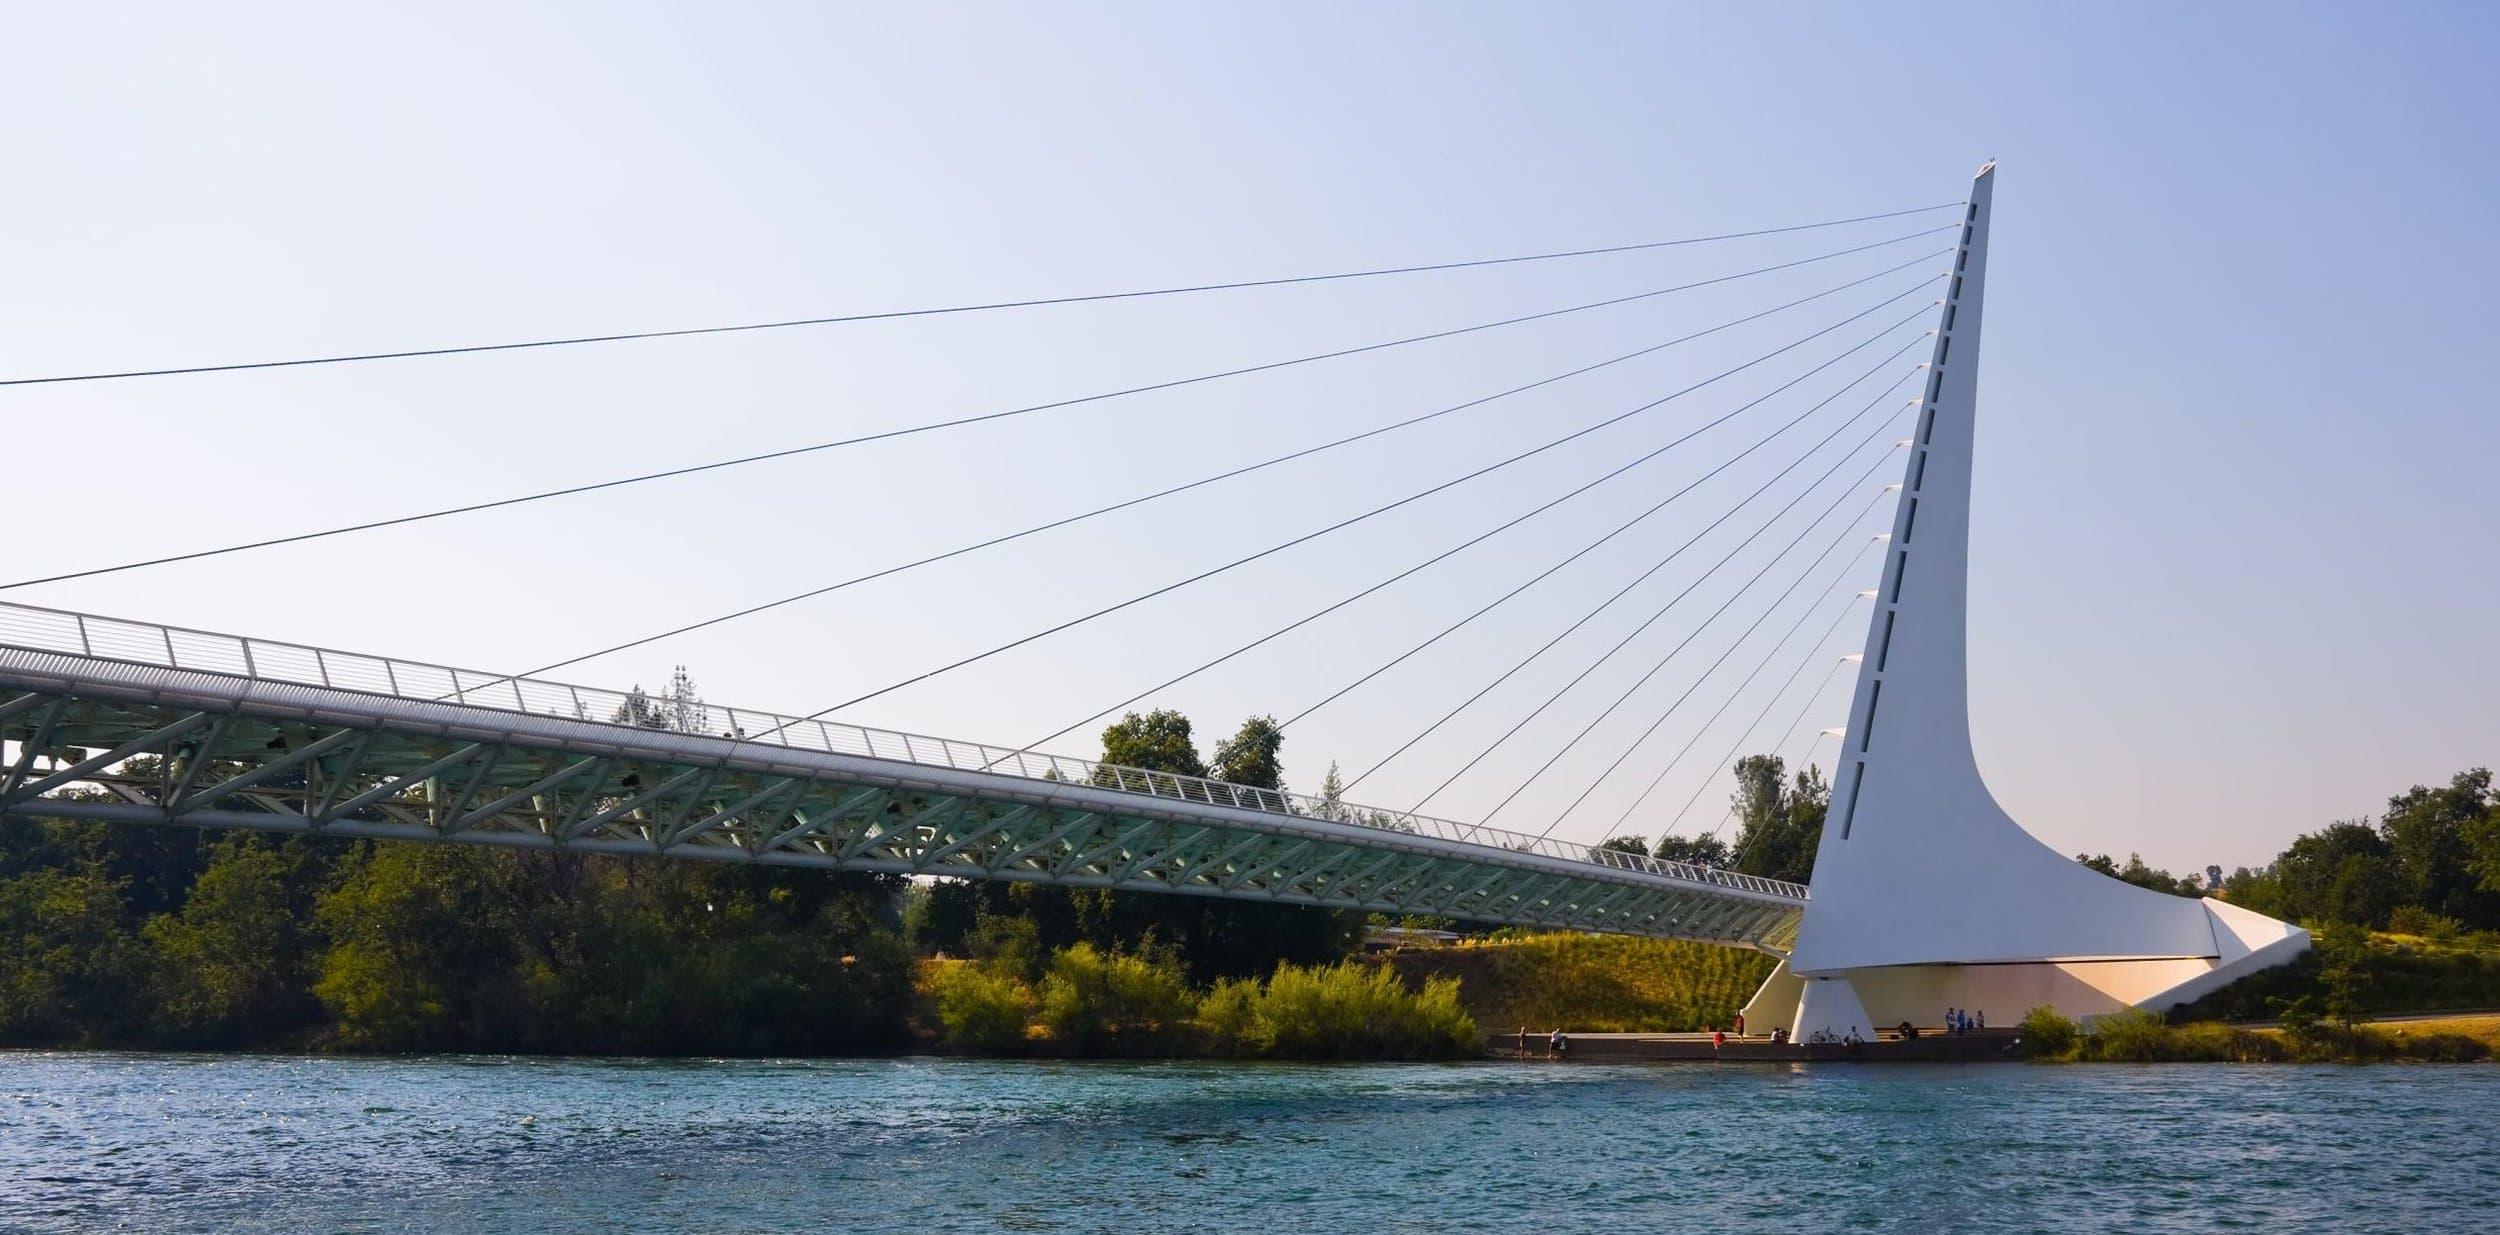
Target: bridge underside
102 740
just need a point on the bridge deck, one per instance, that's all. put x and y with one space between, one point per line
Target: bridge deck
108 719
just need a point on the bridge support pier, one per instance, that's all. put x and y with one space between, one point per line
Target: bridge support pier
1926 894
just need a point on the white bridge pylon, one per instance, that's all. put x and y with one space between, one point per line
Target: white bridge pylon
133 722
1927 895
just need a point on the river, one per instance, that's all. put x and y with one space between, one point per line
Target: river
115 1142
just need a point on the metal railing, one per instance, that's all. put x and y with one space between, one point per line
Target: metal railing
65 632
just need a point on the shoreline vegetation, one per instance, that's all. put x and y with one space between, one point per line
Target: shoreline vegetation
132 936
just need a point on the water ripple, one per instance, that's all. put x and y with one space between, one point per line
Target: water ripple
106 1142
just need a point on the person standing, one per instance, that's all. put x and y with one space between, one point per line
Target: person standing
1740 1024
1555 1044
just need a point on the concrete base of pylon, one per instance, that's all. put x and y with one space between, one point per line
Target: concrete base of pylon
1890 995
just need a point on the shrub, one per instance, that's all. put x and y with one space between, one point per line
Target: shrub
1229 1014
1099 1002
2208 1042
981 1008
2127 1034
2046 1035
1352 1011
2415 920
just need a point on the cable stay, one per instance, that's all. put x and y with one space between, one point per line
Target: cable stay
1705 623
1549 571
1446 554
1804 709
1814 648
1376 511
948 310
1812 697
1653 619
1643 577
1686 643
1793 627
955 423
1199 483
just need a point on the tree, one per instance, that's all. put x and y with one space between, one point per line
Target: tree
2142 875
235 965
68 967
1782 823
1250 756
1708 851
1158 741
1214 938
2343 872
2429 841
1626 844
1332 796
2344 973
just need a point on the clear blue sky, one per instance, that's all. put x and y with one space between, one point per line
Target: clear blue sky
2234 567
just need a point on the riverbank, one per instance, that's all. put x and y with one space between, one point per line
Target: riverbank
1590 983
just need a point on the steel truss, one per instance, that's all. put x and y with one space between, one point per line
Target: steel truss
102 739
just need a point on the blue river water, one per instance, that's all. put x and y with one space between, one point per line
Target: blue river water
116 1142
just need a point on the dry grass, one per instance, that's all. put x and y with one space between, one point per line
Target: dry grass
2483 1029
1593 983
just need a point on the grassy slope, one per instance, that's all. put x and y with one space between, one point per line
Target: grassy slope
1593 983
2407 973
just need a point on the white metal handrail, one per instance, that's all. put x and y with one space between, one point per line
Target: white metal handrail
174 647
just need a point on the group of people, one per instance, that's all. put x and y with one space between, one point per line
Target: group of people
1963 1020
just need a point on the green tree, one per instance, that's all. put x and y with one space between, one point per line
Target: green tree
235 965
2137 872
2340 873
1782 822
421 954
1332 805
2429 835
1158 741
1251 756
1708 851
70 968
1214 938
1626 844
2344 973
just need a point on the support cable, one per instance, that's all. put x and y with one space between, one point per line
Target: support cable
1489 534
933 426
1678 648
1737 854
1653 618
1813 650
1793 627
1454 627
1201 482
1812 698
1377 510
941 311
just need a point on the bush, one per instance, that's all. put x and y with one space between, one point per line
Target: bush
1097 1002
2127 1034
2213 1043
2415 920
1229 1014
2046 1035
980 1008
1353 1011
